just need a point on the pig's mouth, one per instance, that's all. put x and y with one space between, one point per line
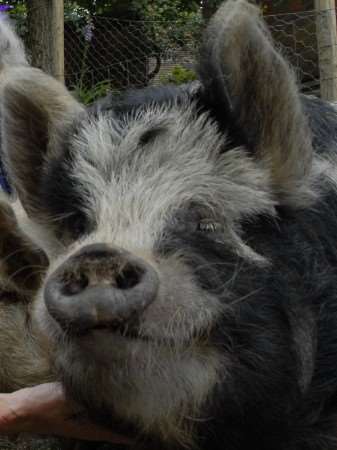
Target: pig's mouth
122 331
127 335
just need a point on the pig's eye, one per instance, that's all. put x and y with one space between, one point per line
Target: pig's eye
208 226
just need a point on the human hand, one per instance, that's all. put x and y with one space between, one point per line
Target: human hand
43 409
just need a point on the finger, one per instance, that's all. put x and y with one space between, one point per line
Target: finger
43 409
10 420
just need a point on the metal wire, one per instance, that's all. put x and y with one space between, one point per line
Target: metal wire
296 37
122 53
126 53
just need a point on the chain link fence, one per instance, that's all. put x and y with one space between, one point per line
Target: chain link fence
124 53
296 36
105 54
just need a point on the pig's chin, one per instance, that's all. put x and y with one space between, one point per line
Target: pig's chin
143 383
125 352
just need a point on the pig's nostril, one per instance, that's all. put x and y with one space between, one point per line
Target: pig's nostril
129 277
87 292
75 286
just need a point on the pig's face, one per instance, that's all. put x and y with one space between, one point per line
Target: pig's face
140 214
145 210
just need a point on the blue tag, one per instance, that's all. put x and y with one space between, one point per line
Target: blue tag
3 180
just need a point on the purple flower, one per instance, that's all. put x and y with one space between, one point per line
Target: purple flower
88 31
4 8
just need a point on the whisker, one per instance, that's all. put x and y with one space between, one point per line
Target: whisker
10 255
17 272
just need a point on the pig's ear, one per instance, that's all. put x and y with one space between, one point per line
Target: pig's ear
36 111
246 79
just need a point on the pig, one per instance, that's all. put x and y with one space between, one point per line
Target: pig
190 296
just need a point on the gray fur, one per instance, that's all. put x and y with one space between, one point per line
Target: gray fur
12 51
40 107
242 65
132 191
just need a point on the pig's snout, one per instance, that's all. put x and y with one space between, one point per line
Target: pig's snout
100 286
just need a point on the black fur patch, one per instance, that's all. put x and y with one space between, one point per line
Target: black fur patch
62 199
323 123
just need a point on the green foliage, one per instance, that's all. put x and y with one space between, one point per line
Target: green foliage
163 10
184 16
88 95
151 9
172 23
178 75
75 13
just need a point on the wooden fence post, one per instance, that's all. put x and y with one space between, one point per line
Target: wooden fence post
327 48
46 35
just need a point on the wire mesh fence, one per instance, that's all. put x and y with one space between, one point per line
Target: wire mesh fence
128 53
296 36
104 53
